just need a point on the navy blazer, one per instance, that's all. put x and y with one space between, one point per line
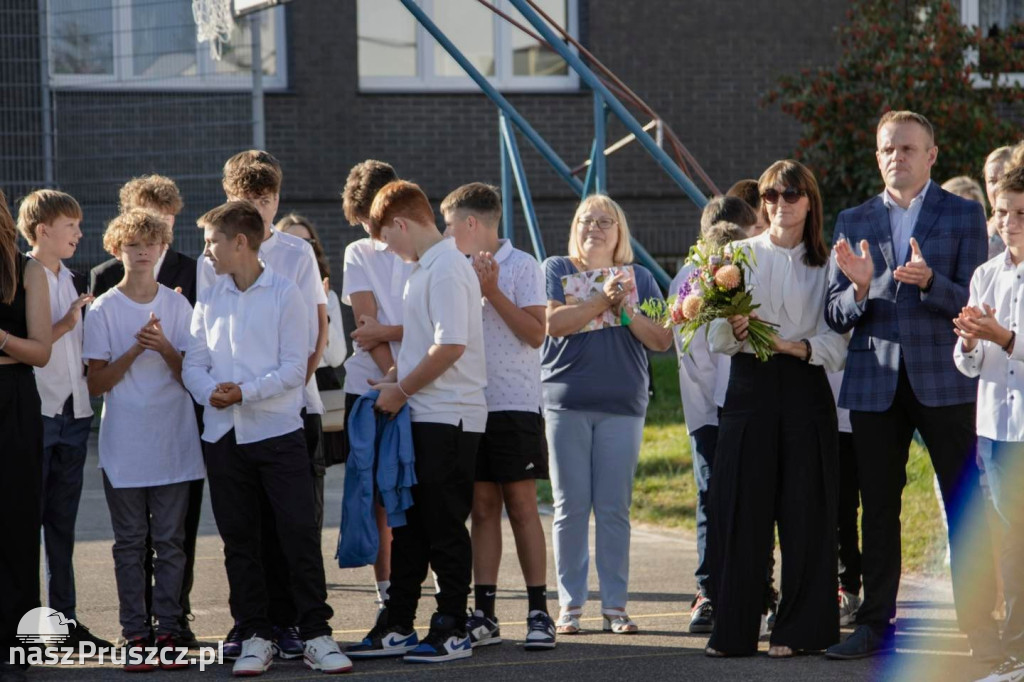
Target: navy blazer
899 319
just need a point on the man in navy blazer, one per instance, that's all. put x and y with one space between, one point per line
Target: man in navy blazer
918 247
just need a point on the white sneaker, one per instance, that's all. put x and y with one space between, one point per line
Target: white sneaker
323 654
763 632
256 657
1010 670
848 605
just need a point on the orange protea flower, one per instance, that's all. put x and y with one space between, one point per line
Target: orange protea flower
691 306
728 277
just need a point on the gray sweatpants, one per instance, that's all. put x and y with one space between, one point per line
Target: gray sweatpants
160 510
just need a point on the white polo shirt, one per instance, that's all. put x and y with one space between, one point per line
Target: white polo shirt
369 267
257 339
699 371
294 259
513 367
63 375
442 307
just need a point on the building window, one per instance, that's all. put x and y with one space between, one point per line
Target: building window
397 54
1002 27
151 45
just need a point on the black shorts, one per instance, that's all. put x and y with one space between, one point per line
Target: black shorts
514 448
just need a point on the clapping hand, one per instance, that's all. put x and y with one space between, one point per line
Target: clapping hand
617 288
973 325
225 395
151 336
487 270
858 269
74 313
916 271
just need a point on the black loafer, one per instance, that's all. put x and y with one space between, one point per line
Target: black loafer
863 643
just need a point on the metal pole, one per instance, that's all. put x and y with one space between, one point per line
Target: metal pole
588 76
514 116
259 129
507 212
46 113
509 137
600 123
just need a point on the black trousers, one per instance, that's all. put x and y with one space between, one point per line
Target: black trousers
776 462
435 534
849 501
882 442
21 480
275 469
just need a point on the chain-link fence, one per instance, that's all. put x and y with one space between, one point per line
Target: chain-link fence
95 92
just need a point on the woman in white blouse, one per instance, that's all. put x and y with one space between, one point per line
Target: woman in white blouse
777 458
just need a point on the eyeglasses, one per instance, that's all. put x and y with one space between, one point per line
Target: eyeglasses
790 195
603 223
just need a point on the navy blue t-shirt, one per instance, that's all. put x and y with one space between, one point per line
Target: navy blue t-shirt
599 371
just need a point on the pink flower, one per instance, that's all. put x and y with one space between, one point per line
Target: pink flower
676 311
691 306
728 277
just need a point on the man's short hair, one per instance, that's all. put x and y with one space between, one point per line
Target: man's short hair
364 181
722 233
251 174
730 209
45 206
399 199
904 116
746 190
136 224
234 218
155 192
478 198
1012 181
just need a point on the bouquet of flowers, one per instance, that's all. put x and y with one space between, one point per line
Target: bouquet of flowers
716 288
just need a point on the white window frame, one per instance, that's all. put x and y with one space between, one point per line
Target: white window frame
970 16
206 79
503 80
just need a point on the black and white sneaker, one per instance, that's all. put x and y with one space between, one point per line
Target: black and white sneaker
540 632
482 629
1010 670
384 640
446 641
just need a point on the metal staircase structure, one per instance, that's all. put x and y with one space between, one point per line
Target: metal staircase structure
609 93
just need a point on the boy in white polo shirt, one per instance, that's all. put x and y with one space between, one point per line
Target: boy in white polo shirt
441 373
149 442
990 348
373 284
246 364
256 176
50 222
513 452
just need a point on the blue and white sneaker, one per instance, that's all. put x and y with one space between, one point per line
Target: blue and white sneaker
287 643
446 641
384 640
540 632
482 630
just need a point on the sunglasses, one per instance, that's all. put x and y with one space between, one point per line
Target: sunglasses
790 195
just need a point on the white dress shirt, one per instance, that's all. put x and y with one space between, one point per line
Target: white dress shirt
292 258
902 221
998 283
258 339
63 375
442 306
334 353
792 295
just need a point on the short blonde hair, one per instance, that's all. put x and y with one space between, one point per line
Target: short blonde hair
1016 156
155 192
135 224
623 249
1000 155
44 206
906 117
966 187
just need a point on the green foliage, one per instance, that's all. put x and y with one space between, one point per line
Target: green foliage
912 55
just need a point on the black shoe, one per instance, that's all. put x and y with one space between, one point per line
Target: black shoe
987 649
186 637
80 634
702 615
863 643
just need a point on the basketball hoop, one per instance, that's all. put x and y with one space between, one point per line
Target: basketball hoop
214 23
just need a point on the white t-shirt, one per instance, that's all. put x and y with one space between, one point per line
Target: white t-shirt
368 267
148 432
63 375
441 306
513 367
334 353
294 259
